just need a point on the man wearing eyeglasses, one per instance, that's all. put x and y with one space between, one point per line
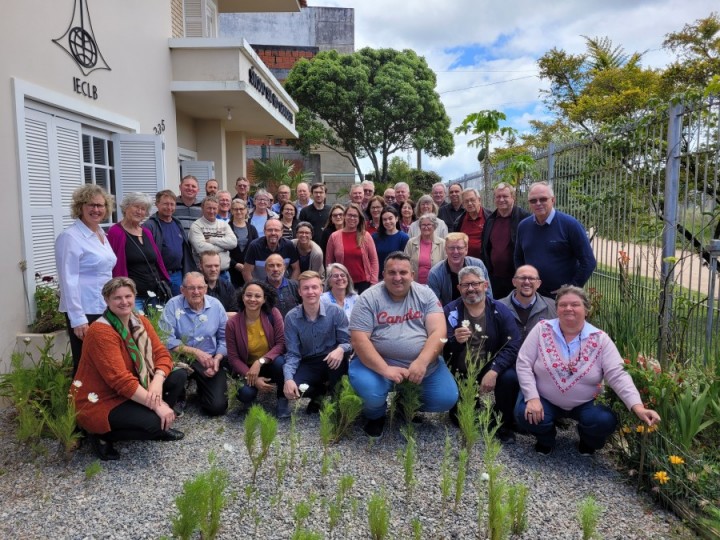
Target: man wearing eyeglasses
553 242
443 276
526 305
389 196
486 329
499 235
195 327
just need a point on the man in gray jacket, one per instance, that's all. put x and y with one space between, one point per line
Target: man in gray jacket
443 276
526 305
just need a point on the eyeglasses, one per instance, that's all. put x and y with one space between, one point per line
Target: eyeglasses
472 284
427 226
352 216
526 278
389 198
195 287
369 190
541 200
338 276
95 206
455 248
339 214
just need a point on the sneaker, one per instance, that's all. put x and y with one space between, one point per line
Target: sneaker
584 449
505 435
179 408
374 428
283 408
543 449
313 407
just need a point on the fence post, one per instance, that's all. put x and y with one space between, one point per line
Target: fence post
551 164
670 211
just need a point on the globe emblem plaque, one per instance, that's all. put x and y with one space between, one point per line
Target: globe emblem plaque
79 41
82 47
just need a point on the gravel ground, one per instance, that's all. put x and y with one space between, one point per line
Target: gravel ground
43 497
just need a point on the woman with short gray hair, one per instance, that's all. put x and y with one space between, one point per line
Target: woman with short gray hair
138 257
426 249
426 205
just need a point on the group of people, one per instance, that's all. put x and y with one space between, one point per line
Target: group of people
291 296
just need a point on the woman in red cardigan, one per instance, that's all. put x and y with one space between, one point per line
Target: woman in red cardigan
125 386
354 247
256 341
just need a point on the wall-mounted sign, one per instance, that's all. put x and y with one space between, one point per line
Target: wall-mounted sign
257 83
79 41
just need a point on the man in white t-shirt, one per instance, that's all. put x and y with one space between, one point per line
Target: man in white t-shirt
396 330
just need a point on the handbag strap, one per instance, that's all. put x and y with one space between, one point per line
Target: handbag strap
153 271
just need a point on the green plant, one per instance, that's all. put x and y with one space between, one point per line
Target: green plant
201 503
409 455
460 476
336 506
259 420
304 534
39 393
689 413
338 414
467 403
378 516
301 513
416 528
92 470
588 515
517 500
48 316
408 400
446 481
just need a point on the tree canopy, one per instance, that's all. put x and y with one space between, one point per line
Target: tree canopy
371 103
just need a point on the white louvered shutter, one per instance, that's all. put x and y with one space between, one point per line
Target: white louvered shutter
194 18
202 170
139 164
53 167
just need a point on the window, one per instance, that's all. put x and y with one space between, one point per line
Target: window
98 166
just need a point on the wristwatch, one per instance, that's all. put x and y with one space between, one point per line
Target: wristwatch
262 361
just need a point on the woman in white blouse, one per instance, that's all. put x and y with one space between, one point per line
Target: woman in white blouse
84 261
339 288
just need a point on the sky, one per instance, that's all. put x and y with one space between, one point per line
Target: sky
485 52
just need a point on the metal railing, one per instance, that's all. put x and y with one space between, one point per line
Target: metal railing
648 194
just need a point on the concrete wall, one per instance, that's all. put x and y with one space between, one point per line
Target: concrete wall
323 27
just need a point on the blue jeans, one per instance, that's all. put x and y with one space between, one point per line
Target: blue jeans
225 274
595 422
439 390
273 371
176 278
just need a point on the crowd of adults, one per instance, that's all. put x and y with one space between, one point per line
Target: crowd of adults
289 296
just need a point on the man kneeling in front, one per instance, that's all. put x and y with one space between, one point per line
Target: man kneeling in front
397 330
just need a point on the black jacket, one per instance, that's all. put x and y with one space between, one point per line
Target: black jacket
459 221
238 256
516 216
188 261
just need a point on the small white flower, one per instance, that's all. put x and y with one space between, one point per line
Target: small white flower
484 477
27 340
229 448
92 397
465 324
202 318
303 388
179 313
159 307
443 340
77 383
199 338
151 294
478 328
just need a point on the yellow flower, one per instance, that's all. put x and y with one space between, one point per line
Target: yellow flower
626 429
677 460
650 429
640 429
662 477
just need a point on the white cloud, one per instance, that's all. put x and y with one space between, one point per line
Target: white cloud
513 35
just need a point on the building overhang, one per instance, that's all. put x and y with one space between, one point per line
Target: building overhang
224 78
258 6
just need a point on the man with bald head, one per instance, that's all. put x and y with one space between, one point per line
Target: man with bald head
287 289
526 305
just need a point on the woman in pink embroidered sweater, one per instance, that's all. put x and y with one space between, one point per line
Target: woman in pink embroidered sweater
354 247
561 367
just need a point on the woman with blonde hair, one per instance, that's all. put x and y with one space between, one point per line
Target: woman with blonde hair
426 249
354 247
85 260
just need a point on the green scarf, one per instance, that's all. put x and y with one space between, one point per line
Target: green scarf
137 344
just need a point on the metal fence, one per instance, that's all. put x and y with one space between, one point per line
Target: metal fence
648 195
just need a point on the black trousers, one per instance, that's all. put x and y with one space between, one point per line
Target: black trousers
131 421
76 342
212 391
316 373
506 392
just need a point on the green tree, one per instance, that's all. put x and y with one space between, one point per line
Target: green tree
698 48
485 125
371 103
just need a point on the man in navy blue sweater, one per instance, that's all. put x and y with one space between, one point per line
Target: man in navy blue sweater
554 243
